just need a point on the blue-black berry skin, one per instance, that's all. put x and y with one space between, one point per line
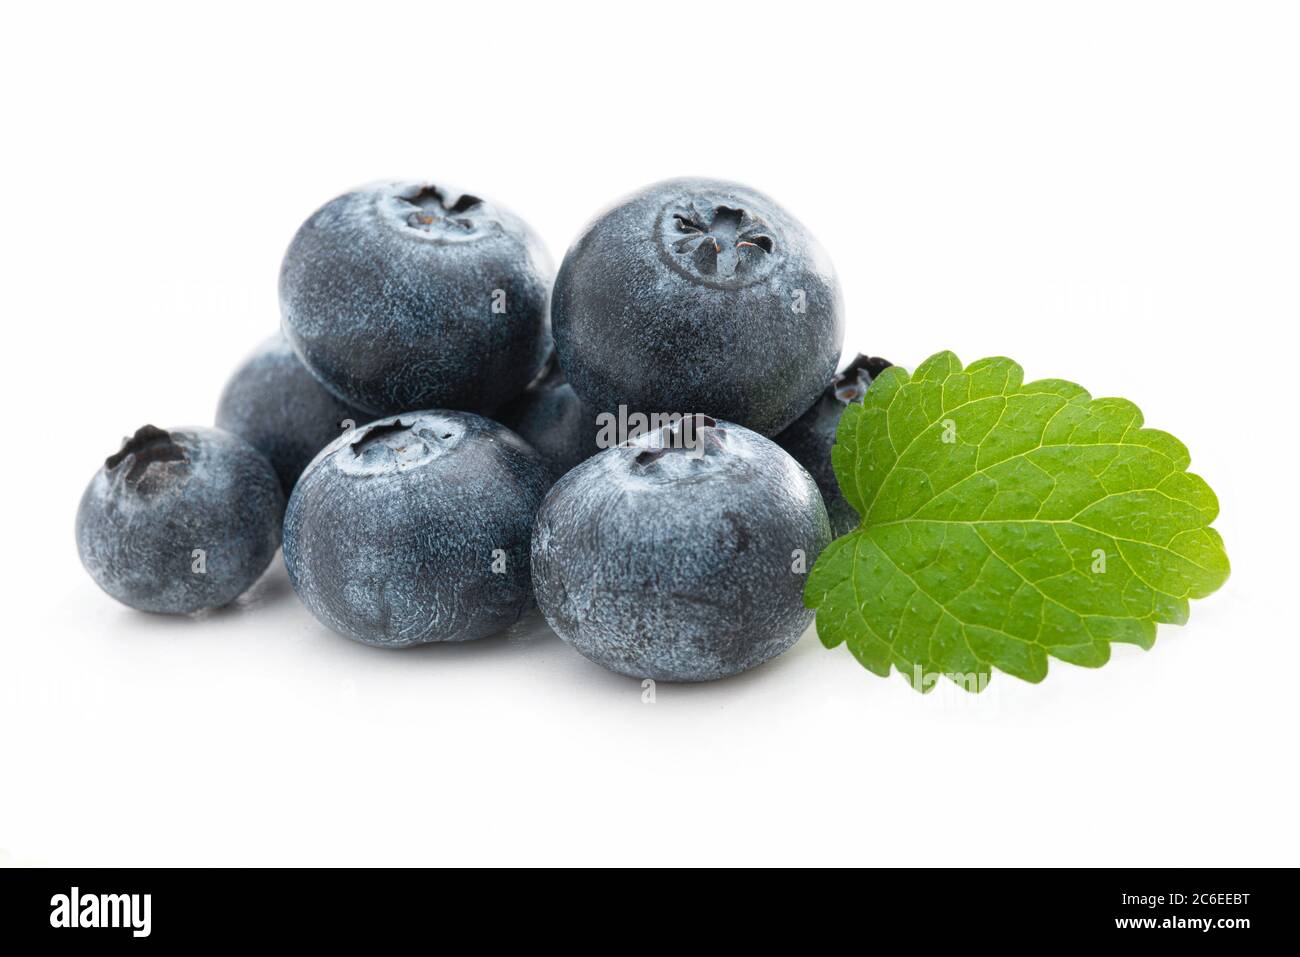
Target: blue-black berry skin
697 295
680 564
408 295
276 405
810 437
416 529
551 418
180 521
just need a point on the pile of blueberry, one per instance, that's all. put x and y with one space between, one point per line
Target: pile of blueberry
443 435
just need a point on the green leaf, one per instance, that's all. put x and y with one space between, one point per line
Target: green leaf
1004 522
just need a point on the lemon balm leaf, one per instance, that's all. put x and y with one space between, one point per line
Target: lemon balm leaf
1007 522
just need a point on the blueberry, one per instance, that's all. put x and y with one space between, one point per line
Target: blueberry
274 404
402 296
180 521
680 556
811 436
551 418
416 528
698 295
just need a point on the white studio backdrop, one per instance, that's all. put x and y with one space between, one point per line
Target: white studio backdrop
1105 192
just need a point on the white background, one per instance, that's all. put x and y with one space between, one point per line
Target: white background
1108 193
